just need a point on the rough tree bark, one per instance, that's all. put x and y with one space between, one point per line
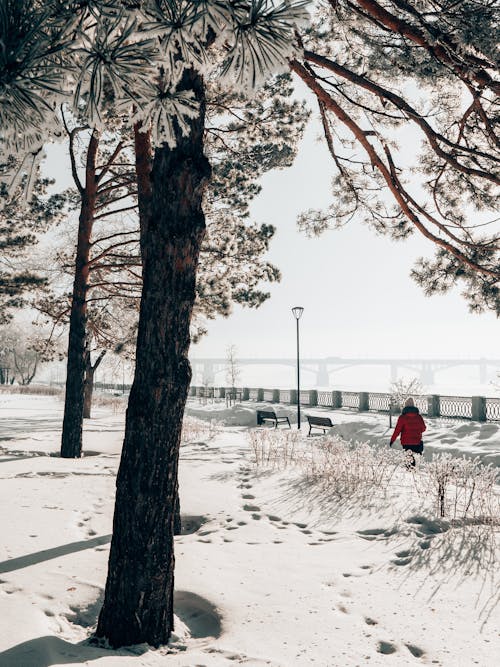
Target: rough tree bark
138 602
71 442
88 389
144 164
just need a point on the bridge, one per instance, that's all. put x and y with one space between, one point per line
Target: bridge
213 371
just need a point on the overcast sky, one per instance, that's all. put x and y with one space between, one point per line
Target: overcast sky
353 284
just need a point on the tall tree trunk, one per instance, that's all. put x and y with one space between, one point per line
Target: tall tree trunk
88 390
71 443
138 602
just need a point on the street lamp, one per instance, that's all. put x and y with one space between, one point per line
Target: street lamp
297 313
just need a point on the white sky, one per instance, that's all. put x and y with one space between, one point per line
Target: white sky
354 285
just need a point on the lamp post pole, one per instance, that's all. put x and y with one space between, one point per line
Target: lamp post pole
297 313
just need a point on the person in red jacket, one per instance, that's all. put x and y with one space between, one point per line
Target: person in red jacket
411 426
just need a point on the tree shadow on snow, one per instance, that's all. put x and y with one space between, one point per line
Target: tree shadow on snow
453 551
449 551
14 427
47 554
50 650
199 615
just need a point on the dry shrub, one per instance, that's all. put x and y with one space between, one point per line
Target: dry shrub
341 467
274 448
461 488
198 430
116 402
40 389
347 468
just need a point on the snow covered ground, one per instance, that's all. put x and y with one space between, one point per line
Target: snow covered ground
271 569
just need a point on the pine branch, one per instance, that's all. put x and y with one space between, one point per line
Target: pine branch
390 178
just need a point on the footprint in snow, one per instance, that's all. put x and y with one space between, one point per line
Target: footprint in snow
12 589
376 533
370 621
256 516
401 561
46 596
403 554
415 650
301 525
386 648
248 496
271 517
251 508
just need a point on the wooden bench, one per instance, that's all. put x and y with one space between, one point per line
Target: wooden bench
324 423
271 416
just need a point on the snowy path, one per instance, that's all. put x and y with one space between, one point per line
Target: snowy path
269 570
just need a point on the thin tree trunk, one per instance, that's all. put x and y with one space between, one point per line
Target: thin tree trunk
138 602
88 390
71 443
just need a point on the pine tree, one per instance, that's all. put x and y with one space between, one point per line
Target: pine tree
20 226
153 56
379 69
232 267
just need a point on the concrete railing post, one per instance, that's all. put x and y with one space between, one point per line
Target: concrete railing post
433 405
192 391
336 399
260 394
364 401
293 397
479 408
313 397
276 395
245 396
222 392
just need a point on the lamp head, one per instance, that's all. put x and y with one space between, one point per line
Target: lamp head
297 312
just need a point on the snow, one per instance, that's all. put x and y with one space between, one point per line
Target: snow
461 438
271 569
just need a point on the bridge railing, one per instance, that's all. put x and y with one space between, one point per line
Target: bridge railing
475 408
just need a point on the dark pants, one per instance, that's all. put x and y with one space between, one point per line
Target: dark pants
413 449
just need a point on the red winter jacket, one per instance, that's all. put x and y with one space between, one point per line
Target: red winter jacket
411 426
